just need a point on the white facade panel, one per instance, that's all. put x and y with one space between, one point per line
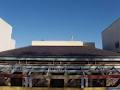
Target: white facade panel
12 44
62 43
111 37
57 43
6 41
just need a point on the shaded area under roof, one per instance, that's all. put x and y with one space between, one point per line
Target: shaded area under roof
36 51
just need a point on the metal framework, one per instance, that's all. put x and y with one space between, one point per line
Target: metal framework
73 68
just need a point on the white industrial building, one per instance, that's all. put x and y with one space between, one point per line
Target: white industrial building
6 40
111 37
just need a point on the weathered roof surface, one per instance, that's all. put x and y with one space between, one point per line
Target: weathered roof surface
35 51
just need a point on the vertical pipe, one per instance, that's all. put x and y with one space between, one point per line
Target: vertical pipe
86 82
82 82
30 81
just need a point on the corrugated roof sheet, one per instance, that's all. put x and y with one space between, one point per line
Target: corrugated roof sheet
58 51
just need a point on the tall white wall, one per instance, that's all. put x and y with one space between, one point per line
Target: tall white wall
6 41
111 37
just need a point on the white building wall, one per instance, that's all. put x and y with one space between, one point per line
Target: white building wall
12 44
6 41
62 43
57 43
111 37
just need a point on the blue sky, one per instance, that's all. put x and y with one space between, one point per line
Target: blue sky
59 19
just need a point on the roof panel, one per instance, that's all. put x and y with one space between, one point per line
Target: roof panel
58 51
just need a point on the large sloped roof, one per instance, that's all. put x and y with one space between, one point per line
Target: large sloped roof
35 51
